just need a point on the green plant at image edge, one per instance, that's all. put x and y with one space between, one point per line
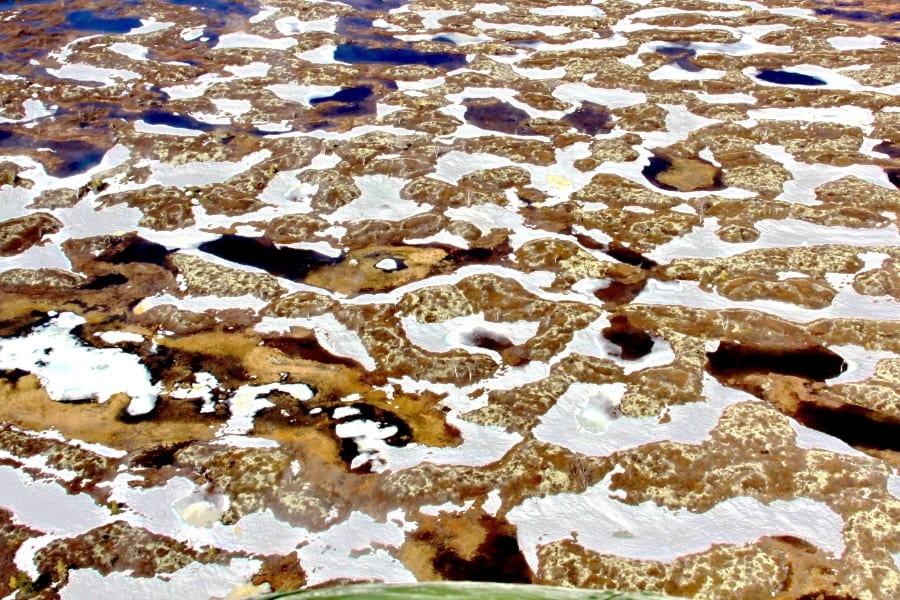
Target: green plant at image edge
458 591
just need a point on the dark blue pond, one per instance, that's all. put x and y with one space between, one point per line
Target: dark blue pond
354 94
361 28
354 53
73 156
224 7
375 4
162 117
866 16
681 57
348 102
590 118
788 77
291 263
4 4
495 115
443 40
90 20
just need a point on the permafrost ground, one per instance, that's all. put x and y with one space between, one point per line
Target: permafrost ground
600 295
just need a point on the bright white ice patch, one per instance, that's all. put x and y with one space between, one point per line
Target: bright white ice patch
84 72
461 332
47 506
132 51
866 42
648 531
70 370
379 199
248 40
564 424
355 548
120 337
194 582
293 25
248 400
204 173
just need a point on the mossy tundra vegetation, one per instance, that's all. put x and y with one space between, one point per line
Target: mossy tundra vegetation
601 295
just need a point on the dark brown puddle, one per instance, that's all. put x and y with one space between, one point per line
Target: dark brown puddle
856 425
633 342
495 115
811 362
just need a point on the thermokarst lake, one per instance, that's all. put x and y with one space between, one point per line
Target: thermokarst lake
595 294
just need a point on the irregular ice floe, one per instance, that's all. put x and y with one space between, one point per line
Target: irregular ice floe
807 177
132 51
861 362
857 116
46 507
47 256
150 25
196 581
160 510
227 109
548 30
444 336
847 303
482 445
833 80
201 303
866 42
142 126
893 485
322 55
87 219
189 34
207 80
441 237
293 25
589 341
120 337
601 522
452 166
357 549
583 10
688 423
34 110
70 370
702 241
250 41
735 98
431 19
813 439
446 507
247 400
576 93
203 172
90 73
489 8
379 199
13 202
302 94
